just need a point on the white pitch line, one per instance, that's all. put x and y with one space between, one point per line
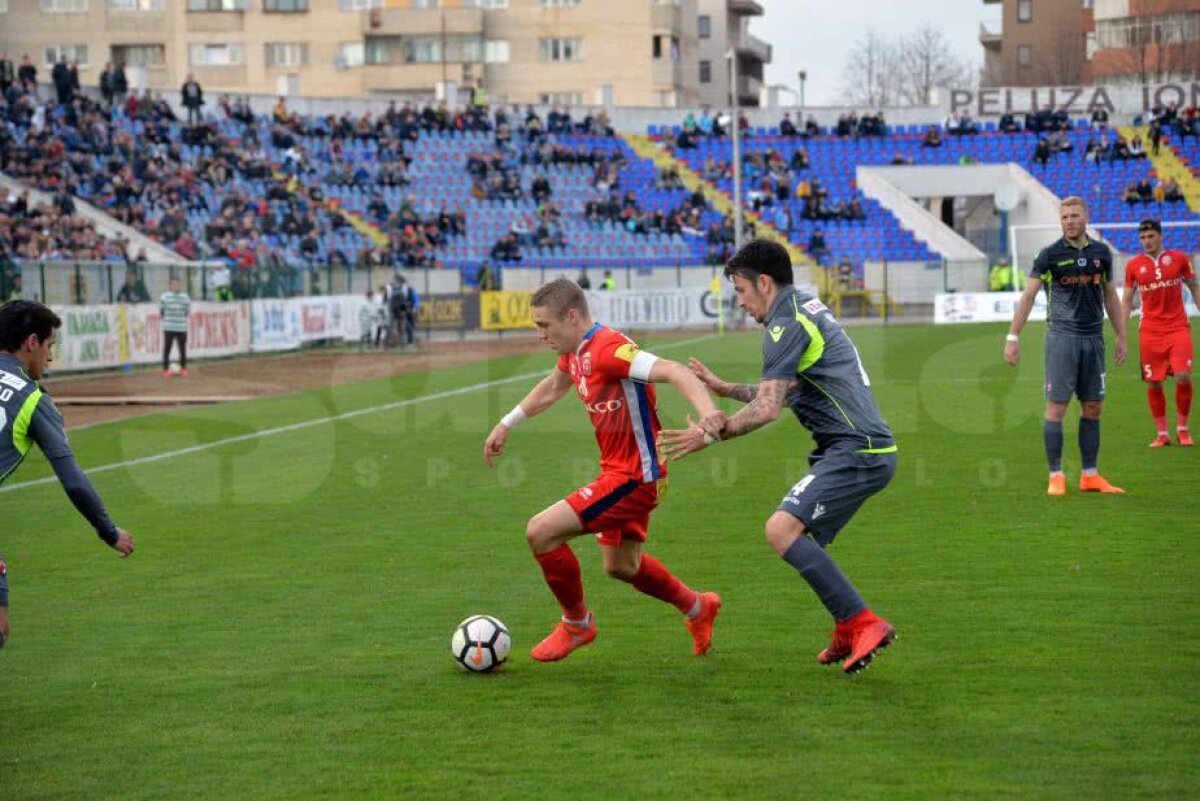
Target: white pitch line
267 432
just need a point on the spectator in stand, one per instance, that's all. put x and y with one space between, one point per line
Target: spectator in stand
1145 190
1008 123
8 74
27 75
1100 118
582 279
106 84
61 76
506 249
133 290
811 126
1171 191
932 138
1130 195
73 79
1136 149
1155 136
817 248
786 126
1042 153
192 98
120 84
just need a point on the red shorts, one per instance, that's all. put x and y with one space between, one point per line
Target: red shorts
1164 354
616 508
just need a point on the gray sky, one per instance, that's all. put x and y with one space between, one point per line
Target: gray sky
814 35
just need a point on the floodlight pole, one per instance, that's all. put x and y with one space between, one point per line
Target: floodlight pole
731 56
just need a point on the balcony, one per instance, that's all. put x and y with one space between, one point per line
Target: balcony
749 89
667 17
991 34
753 48
745 7
665 72
423 22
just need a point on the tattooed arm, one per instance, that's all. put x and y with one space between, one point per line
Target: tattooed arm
722 389
764 403
741 392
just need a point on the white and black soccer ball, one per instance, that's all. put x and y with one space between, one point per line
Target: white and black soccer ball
480 644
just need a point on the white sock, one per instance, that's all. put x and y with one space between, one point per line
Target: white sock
1091 471
695 610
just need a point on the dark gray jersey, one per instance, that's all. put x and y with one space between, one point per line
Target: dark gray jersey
831 396
1075 279
27 415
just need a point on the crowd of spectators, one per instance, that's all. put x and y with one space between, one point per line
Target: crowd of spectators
52 232
1161 191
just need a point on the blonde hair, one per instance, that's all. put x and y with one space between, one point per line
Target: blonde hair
559 296
1074 200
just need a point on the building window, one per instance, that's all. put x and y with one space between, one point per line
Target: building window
216 55
1024 10
1024 56
495 51
557 3
560 50
78 52
3 6
705 72
64 6
704 22
377 52
218 5
350 54
141 55
285 54
137 5
359 5
285 6
560 98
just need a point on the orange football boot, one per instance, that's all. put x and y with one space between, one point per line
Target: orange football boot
1058 484
1184 437
1161 441
839 645
565 638
869 635
701 625
1097 483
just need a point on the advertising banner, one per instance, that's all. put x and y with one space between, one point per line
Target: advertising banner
499 311
982 307
90 338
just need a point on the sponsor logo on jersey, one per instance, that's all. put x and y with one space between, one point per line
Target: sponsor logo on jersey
814 306
818 510
776 333
13 381
1161 284
587 493
1082 262
585 365
1065 263
1166 261
626 352
603 407
1095 262
1075 280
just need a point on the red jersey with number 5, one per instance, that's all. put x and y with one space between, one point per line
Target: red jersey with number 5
1160 282
611 375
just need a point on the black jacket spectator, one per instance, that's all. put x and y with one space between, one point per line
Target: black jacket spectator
786 127
192 97
120 82
61 75
8 73
27 73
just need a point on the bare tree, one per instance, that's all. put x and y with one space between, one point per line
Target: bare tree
872 75
1063 63
926 62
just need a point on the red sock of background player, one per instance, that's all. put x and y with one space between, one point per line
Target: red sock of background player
560 568
1183 402
655 580
1158 408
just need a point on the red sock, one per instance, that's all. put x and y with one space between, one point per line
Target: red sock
655 580
561 571
1158 407
1183 401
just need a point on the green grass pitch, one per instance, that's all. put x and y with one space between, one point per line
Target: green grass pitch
283 630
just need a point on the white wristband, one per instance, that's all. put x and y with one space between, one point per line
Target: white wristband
1012 338
514 418
709 439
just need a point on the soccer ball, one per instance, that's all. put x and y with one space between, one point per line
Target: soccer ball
480 644
175 368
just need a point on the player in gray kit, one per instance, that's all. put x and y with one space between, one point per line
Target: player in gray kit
810 364
1076 273
27 415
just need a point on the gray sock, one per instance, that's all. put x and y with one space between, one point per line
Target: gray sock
1053 437
1089 442
823 575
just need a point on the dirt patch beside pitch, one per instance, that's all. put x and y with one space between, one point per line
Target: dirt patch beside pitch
263 375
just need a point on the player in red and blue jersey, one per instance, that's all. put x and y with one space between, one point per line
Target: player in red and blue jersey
614 379
1165 336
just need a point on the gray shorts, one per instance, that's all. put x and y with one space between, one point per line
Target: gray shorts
1074 366
3 584
838 483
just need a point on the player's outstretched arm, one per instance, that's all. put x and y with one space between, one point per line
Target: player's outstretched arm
691 388
1012 342
544 394
765 407
1116 316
